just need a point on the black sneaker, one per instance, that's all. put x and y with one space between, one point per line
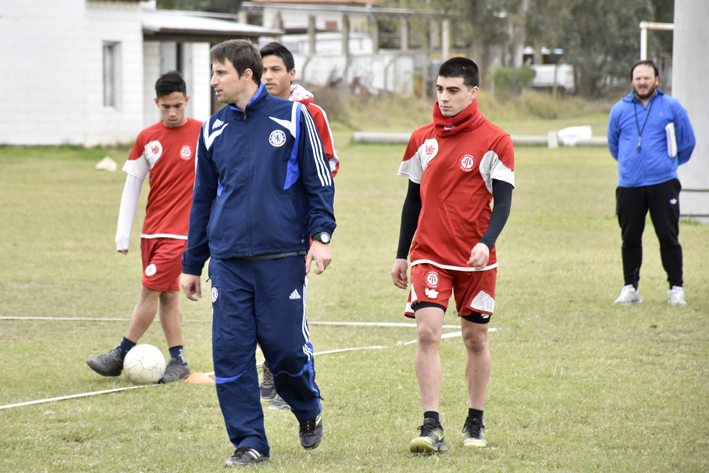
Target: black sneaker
268 389
244 456
431 439
175 370
108 364
311 433
474 433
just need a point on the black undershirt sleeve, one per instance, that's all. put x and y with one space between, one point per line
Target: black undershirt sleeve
502 195
409 219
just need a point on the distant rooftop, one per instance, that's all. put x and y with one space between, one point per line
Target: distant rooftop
163 24
306 2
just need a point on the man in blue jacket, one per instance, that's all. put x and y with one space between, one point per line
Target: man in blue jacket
263 188
649 134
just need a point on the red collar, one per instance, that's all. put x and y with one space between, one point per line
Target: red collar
464 121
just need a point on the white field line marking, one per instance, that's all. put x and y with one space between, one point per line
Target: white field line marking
211 373
93 319
376 324
447 335
99 319
72 396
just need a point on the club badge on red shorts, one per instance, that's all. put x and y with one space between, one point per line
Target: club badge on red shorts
432 278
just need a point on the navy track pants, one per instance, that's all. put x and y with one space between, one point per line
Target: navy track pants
261 301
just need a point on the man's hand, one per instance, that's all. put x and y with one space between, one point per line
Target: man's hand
398 273
125 252
479 256
192 286
321 254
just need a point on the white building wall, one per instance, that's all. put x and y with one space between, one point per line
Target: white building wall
160 57
52 71
151 72
388 71
326 43
116 22
42 62
200 91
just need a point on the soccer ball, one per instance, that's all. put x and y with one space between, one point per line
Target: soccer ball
144 364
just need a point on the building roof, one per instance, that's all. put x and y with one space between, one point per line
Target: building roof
185 25
364 8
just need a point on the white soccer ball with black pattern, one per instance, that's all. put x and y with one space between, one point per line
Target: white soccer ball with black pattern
144 364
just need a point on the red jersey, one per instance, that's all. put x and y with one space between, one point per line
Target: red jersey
299 94
168 154
455 166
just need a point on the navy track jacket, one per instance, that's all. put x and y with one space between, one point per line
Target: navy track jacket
263 184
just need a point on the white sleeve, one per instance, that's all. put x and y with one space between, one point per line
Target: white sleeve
137 167
129 202
414 167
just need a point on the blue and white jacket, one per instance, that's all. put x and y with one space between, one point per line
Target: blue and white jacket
650 165
263 184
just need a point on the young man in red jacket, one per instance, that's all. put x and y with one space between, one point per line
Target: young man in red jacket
278 75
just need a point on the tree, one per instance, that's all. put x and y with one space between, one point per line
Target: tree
481 27
544 23
600 39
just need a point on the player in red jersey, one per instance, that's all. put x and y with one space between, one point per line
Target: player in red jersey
278 75
166 151
456 165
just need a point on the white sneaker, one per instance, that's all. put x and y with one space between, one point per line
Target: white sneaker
628 295
676 296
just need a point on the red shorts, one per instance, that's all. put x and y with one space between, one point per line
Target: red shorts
474 290
162 263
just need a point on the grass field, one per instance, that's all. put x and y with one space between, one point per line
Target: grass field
578 384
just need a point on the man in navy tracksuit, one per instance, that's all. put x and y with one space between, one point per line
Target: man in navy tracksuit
263 188
650 135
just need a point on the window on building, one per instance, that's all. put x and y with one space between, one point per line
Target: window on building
110 74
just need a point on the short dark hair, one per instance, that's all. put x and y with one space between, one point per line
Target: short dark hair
170 82
242 54
644 62
461 67
277 49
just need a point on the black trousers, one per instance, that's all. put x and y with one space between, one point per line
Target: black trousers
632 205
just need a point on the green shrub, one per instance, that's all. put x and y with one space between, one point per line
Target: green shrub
513 81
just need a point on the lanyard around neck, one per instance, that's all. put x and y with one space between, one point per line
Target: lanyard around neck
640 130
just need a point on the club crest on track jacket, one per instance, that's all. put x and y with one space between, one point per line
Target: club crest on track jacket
263 184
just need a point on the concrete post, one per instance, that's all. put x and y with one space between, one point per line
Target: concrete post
404 33
311 34
435 34
375 34
446 39
690 68
345 35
